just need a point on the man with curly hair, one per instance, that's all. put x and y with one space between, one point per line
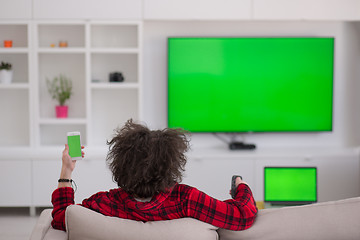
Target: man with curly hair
147 165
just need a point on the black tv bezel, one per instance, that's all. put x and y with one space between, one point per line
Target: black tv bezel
257 131
284 202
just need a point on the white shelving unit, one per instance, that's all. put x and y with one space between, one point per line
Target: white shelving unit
15 98
111 52
95 49
51 60
28 125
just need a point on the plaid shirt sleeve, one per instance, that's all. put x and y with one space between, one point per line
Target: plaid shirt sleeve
234 214
61 198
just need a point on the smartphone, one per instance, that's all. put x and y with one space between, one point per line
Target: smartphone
233 186
74 142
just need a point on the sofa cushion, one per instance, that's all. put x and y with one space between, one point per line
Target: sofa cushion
330 220
82 223
54 234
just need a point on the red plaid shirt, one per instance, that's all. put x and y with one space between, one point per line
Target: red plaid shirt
182 201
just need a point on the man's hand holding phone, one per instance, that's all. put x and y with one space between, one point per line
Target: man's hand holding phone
68 163
71 153
74 142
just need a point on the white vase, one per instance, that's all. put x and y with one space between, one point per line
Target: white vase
6 76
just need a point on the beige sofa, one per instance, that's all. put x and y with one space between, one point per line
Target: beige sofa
336 220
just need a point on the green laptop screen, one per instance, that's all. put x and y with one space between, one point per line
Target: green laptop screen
290 184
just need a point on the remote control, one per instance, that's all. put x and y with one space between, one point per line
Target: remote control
233 186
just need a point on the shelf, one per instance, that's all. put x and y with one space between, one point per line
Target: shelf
15 86
120 85
14 50
62 50
102 64
71 65
18 33
115 50
117 36
53 33
14 121
62 121
20 62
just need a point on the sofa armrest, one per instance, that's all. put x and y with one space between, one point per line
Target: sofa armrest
328 220
43 229
42 225
83 223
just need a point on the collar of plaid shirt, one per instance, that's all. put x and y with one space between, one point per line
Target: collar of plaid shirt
154 202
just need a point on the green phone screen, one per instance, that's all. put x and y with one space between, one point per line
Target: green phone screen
74 146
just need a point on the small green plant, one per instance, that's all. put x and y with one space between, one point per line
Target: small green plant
60 88
5 66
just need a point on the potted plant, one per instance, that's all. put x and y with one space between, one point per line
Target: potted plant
60 89
6 72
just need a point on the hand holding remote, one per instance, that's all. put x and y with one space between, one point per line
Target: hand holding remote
235 181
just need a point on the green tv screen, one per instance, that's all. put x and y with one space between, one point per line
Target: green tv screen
290 184
250 84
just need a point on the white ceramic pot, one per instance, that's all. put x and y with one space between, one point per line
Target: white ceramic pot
6 76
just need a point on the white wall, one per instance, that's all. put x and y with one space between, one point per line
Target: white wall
346 114
351 64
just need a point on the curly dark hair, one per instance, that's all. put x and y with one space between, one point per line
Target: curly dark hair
144 162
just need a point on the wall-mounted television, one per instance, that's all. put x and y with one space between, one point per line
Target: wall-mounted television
290 185
251 84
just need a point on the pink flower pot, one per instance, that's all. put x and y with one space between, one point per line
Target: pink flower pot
61 111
